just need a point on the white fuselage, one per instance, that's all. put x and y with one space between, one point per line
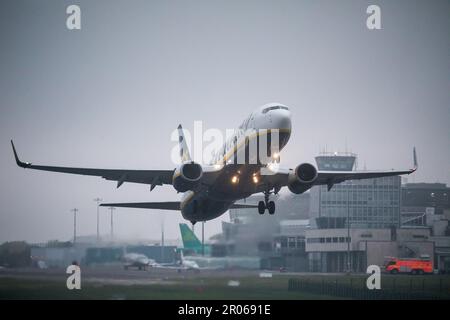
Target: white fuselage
240 163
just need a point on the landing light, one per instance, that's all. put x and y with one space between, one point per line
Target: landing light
234 179
255 179
276 155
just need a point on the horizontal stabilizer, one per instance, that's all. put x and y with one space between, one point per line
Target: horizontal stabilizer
169 205
243 206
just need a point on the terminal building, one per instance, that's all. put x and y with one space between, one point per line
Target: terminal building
329 249
357 223
427 205
426 195
420 200
370 203
61 254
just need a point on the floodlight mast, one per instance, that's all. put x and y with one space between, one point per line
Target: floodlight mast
98 200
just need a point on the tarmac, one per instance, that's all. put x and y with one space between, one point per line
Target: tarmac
117 275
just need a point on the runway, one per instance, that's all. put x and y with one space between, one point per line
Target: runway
117 275
113 282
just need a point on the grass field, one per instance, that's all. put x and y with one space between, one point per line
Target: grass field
250 287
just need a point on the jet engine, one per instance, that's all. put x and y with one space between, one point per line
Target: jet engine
302 178
187 176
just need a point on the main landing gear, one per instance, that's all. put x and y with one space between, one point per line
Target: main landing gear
266 204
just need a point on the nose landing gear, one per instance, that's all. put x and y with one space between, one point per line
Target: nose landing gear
266 204
271 207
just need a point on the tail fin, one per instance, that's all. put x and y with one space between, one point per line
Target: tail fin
190 240
184 150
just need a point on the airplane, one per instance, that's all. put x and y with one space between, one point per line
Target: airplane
182 264
137 260
191 244
210 190
141 262
193 248
188 264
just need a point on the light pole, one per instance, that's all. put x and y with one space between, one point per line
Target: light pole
74 210
162 238
98 217
112 223
348 229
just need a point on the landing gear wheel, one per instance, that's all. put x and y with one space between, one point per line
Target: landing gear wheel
271 207
261 207
266 204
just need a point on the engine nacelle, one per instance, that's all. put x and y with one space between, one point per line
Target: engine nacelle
302 178
187 176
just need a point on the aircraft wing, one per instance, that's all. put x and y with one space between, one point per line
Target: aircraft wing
329 178
151 177
332 177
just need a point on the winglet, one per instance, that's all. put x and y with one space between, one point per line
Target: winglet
415 160
19 163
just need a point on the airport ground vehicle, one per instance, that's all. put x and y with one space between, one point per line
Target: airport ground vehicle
408 265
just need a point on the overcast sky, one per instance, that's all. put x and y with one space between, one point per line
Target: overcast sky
109 95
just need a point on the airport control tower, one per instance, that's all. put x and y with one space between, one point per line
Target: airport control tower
336 161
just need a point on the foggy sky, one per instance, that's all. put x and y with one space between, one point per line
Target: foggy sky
110 94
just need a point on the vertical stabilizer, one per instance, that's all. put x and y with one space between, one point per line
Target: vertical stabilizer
190 240
184 150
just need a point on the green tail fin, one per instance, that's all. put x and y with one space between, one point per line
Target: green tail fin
190 240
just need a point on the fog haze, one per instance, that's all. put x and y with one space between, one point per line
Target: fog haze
109 95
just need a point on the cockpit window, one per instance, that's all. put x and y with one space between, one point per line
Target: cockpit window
274 108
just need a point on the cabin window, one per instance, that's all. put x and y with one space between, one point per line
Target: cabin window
274 108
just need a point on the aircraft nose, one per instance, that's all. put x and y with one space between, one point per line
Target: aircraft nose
281 120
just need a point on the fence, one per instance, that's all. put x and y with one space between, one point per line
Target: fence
356 289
